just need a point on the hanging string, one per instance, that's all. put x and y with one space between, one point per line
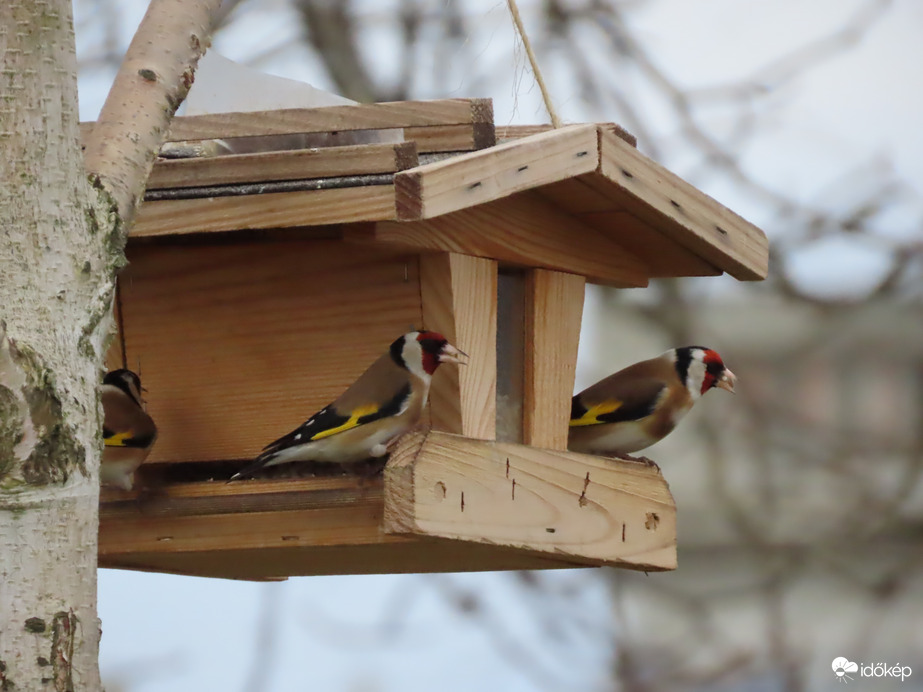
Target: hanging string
517 22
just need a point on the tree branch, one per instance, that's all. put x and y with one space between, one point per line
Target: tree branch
152 82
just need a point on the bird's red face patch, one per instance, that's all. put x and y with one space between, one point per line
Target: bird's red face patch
714 369
431 343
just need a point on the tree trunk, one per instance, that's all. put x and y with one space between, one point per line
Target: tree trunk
55 288
61 246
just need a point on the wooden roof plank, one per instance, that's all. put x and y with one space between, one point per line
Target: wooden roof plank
362 116
299 164
683 213
367 116
483 176
507 132
271 210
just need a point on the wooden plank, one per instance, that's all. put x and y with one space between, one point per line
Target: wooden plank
459 297
477 177
507 132
275 529
553 312
271 210
300 164
239 343
403 556
592 202
523 230
452 137
683 213
664 257
576 507
371 116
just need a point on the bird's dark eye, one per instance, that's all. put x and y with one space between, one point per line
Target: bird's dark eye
432 345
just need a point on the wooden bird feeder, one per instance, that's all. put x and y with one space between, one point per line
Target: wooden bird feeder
261 285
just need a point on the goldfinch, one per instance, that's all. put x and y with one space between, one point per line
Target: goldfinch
128 432
385 402
641 404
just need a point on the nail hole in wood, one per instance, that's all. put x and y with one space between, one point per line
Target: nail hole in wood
474 186
675 203
522 168
721 230
549 530
582 153
463 501
514 489
627 174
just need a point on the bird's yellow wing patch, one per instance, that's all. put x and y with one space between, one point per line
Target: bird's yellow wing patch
591 417
353 421
118 439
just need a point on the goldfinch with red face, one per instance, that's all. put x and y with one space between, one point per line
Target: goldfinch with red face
641 404
384 403
128 432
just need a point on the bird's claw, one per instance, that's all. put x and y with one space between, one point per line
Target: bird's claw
650 463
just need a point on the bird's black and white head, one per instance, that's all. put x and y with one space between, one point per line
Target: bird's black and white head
701 369
421 353
127 382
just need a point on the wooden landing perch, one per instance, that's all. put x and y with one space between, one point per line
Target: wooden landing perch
447 503
573 507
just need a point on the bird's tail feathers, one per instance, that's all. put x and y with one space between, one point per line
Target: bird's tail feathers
262 461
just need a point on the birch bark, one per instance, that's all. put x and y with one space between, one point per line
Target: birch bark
61 246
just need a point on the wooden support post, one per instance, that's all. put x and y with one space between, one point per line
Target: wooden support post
459 296
575 507
553 312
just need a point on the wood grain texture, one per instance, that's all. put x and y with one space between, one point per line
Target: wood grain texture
686 215
482 176
459 298
272 210
507 132
451 137
371 116
240 343
553 313
300 164
576 507
589 198
266 529
524 230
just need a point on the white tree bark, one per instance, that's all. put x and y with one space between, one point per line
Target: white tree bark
60 248
55 288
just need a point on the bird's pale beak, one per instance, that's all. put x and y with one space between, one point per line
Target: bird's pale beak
727 381
450 354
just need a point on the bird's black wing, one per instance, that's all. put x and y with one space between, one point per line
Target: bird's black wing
629 404
327 422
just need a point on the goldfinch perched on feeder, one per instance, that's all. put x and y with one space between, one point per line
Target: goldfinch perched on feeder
641 404
128 432
384 403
